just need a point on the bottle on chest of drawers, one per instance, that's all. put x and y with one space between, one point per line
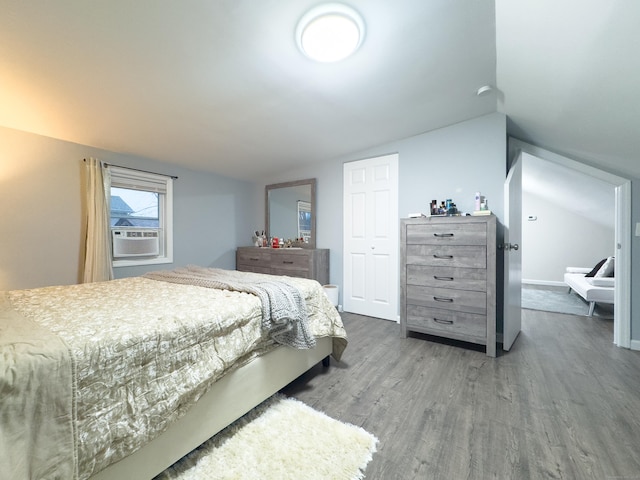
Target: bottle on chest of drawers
448 278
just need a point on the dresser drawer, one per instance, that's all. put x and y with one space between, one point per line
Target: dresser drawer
310 263
289 261
291 272
448 299
447 256
447 234
253 257
447 277
459 325
253 268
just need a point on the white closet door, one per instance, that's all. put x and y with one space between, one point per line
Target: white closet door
371 229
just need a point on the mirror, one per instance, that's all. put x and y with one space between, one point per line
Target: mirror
291 211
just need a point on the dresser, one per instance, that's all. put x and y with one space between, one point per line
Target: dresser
295 262
448 278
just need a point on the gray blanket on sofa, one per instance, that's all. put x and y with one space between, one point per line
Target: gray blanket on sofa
284 313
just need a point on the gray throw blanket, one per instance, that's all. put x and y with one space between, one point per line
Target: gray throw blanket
284 312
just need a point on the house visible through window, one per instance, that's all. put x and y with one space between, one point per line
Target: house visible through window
134 208
141 217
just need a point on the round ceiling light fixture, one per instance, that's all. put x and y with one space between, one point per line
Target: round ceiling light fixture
330 32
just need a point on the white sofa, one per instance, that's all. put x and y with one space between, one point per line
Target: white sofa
592 289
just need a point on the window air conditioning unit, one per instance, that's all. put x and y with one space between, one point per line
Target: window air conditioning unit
135 243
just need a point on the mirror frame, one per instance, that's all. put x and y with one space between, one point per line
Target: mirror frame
309 181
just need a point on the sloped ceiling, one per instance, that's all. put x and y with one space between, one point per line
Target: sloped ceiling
583 194
569 76
220 85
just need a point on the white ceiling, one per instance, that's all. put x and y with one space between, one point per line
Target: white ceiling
220 85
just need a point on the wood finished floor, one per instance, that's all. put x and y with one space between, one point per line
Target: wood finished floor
564 403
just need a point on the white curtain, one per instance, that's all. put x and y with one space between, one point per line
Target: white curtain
97 260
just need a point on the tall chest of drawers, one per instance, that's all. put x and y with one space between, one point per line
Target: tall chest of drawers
304 262
448 278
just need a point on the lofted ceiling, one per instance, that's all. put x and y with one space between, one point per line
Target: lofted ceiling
568 73
220 85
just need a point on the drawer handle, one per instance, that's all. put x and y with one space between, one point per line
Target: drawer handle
442 299
446 279
254 259
287 262
445 257
443 235
444 322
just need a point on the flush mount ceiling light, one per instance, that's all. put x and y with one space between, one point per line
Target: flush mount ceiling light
330 32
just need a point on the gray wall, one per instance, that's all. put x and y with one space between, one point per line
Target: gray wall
40 200
41 219
560 238
573 220
452 162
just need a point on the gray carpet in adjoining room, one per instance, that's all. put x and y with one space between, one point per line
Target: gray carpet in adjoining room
556 299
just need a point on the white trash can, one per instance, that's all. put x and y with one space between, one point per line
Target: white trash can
332 292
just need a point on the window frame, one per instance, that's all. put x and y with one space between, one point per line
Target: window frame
131 179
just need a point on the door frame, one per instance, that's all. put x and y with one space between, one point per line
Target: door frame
622 299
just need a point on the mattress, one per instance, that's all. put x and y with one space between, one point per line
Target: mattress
141 352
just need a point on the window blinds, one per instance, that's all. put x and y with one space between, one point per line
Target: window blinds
137 180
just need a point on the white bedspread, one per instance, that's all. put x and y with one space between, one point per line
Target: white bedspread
145 351
284 311
36 400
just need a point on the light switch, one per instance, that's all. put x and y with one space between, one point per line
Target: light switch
637 229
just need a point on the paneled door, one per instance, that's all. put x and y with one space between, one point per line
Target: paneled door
512 254
371 230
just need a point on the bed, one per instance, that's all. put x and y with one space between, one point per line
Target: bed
120 379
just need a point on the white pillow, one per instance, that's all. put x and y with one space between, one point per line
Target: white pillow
607 269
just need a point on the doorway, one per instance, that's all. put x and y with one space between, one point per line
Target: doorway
621 243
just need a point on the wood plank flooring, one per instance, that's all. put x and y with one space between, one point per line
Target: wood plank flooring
564 403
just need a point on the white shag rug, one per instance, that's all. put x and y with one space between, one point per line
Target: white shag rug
280 439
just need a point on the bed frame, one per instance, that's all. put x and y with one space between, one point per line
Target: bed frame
227 400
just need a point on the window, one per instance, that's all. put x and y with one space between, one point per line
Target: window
304 220
141 217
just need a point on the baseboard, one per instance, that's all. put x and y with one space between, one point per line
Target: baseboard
550 283
635 345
